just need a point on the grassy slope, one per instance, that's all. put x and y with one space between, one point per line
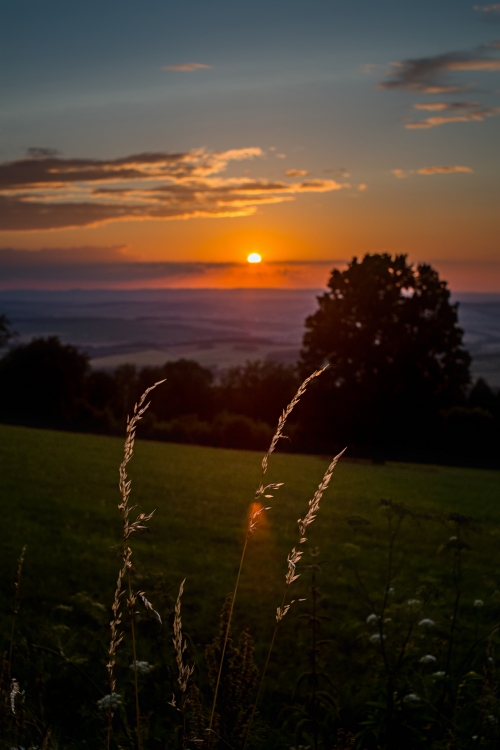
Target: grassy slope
58 494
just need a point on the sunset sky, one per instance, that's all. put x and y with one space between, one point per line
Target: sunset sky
159 143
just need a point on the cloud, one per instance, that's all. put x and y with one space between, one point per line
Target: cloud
487 8
106 267
403 173
477 115
429 74
296 172
187 67
54 193
56 256
443 170
36 152
439 106
362 187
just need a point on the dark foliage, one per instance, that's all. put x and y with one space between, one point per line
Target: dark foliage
390 336
43 383
6 332
237 685
259 390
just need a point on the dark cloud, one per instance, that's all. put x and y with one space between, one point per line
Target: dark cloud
430 74
108 267
36 152
48 192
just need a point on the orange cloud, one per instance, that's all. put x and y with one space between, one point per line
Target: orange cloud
296 172
187 67
443 170
432 122
402 173
52 193
439 106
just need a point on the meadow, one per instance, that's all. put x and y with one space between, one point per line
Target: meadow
59 495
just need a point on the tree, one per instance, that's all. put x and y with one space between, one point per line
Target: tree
260 390
391 339
43 383
6 332
187 389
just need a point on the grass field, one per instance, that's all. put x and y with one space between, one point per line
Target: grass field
58 495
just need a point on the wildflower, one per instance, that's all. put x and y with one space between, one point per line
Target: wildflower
391 591
109 702
426 623
372 619
439 675
478 603
411 698
375 638
428 659
142 667
14 690
453 538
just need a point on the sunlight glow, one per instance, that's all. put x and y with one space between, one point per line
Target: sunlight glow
254 258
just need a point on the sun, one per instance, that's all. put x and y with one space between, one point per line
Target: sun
254 258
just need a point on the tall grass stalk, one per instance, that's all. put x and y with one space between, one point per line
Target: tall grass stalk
253 521
291 575
129 528
15 604
185 671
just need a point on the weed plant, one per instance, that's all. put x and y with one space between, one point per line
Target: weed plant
397 654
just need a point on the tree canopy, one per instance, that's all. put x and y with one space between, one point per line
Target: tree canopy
390 335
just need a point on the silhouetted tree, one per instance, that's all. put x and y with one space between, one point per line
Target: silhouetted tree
6 332
260 390
390 335
482 397
43 383
187 389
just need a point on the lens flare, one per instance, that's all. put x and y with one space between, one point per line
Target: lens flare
254 258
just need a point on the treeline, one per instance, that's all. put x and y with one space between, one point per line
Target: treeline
49 384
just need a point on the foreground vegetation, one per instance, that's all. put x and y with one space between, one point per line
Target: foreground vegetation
59 496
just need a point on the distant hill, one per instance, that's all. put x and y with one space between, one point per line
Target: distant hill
216 327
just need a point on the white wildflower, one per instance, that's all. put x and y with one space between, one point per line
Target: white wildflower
439 675
372 619
428 659
411 698
142 667
109 702
375 638
426 623
14 691
453 538
478 603
391 591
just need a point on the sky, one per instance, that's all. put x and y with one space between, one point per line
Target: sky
159 143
